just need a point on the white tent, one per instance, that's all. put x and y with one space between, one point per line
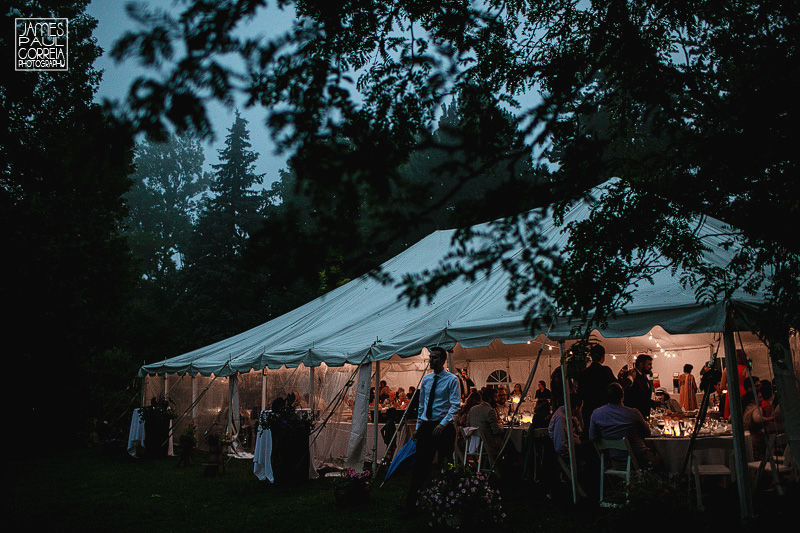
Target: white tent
365 318
365 321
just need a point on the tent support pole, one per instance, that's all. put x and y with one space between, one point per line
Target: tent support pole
573 474
737 423
194 398
311 389
263 389
375 412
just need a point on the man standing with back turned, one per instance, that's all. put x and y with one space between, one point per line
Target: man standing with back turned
439 401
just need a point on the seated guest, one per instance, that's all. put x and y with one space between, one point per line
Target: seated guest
541 414
472 400
516 394
558 428
670 404
413 404
383 392
503 407
755 422
401 400
542 392
614 421
484 416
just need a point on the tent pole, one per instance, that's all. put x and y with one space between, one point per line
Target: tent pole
263 389
568 412
311 389
737 423
194 398
375 411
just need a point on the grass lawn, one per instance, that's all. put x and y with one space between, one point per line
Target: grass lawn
84 490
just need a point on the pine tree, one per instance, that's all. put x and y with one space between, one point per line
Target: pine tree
232 213
218 297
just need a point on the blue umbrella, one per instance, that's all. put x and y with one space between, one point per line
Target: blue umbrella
404 459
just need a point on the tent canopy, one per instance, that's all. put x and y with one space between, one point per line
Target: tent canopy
365 320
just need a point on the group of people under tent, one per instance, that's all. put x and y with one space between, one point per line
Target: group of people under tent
603 406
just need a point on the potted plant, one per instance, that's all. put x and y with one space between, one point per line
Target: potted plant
460 498
290 433
352 489
157 417
188 444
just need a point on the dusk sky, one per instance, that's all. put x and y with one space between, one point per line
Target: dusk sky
113 22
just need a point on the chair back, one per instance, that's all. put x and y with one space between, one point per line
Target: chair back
713 443
622 444
472 438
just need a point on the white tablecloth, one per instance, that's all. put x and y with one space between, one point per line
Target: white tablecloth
262 456
136 433
673 451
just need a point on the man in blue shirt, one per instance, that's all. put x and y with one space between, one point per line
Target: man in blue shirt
439 401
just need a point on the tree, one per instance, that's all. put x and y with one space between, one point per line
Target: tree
163 202
218 297
688 103
684 102
67 271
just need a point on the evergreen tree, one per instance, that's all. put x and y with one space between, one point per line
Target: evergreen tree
218 297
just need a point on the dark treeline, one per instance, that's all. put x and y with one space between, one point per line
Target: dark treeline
122 253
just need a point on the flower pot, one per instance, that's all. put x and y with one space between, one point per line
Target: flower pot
352 495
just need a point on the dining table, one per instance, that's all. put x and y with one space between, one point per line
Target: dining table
136 432
262 455
673 448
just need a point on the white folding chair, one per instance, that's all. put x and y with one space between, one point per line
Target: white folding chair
777 465
710 470
605 445
473 447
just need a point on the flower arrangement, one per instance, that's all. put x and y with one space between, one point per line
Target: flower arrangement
284 418
160 409
460 498
352 477
352 489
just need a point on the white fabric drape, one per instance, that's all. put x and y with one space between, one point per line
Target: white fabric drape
356 445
